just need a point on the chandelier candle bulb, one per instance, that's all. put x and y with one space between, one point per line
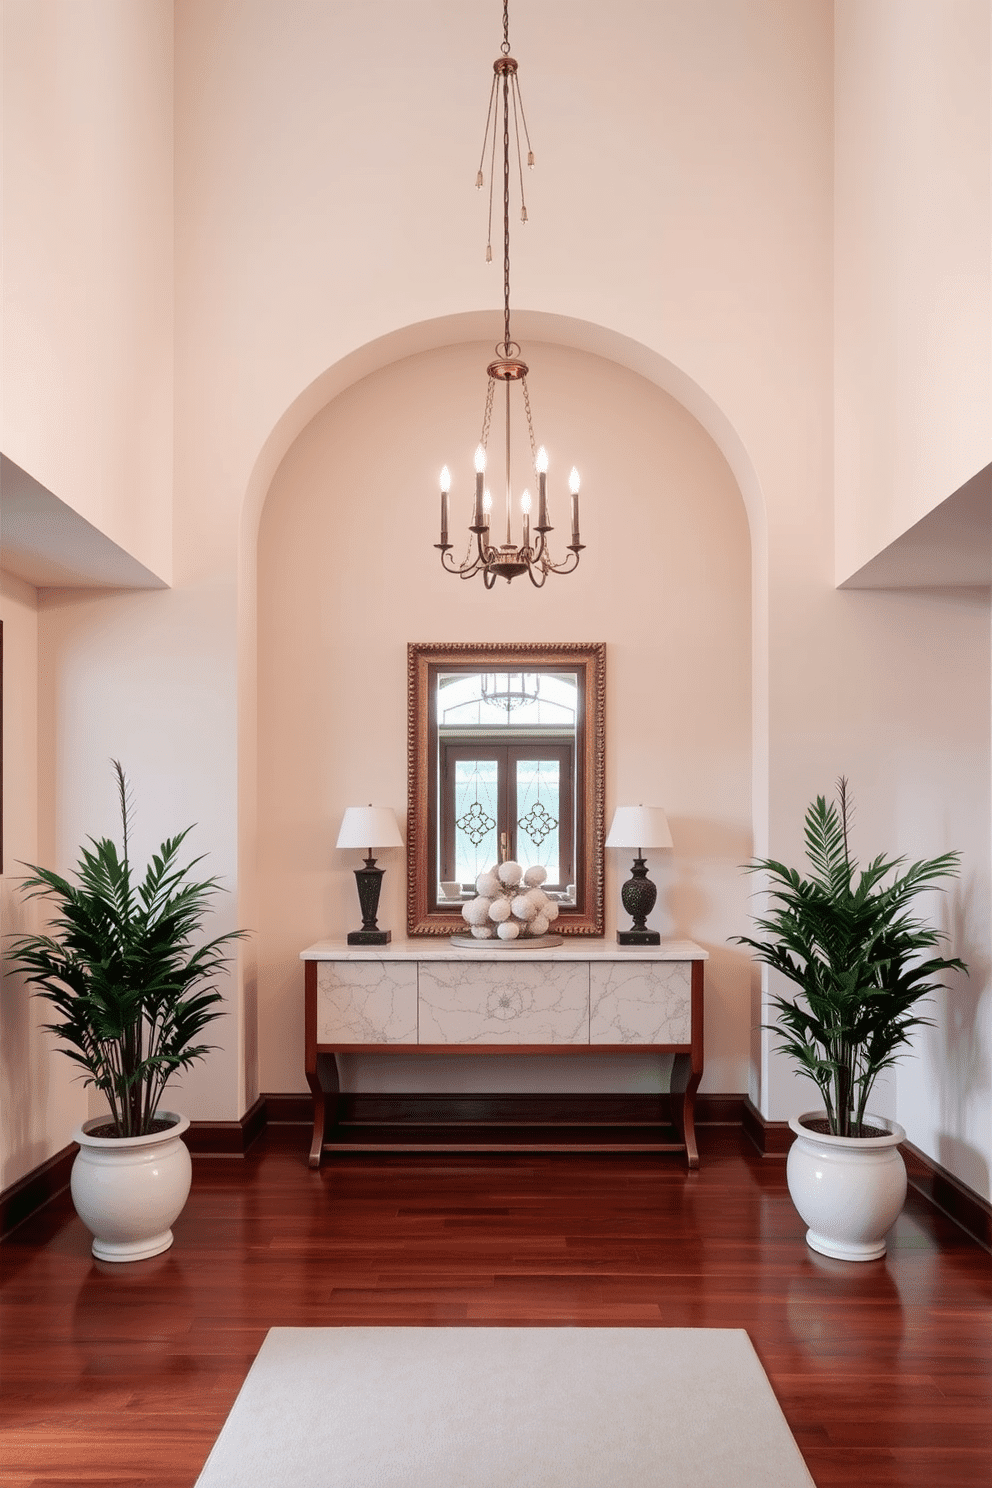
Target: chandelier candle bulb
542 489
445 488
525 508
573 486
480 471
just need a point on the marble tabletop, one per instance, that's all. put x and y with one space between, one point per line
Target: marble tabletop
439 948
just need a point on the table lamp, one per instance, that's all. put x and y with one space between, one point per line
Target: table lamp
639 827
370 827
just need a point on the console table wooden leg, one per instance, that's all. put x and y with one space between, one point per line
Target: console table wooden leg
685 1082
324 1085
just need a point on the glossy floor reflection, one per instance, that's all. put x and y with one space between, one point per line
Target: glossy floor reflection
123 1375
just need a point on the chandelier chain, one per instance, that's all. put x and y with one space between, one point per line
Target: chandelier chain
488 415
506 213
520 163
484 556
530 423
519 103
490 119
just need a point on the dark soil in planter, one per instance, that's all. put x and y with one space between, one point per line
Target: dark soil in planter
108 1129
821 1126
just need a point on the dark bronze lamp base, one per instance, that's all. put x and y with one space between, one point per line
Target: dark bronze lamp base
638 937
369 881
637 897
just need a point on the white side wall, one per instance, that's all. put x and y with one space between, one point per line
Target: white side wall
87 261
913 232
39 1101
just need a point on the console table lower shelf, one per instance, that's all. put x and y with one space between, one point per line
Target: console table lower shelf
657 1124
345 1123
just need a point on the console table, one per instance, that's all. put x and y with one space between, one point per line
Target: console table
584 997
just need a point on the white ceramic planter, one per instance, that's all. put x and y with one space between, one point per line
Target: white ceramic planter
128 1190
849 1190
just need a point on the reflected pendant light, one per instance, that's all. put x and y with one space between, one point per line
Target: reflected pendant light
532 555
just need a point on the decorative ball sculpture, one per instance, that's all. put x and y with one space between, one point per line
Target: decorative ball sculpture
511 904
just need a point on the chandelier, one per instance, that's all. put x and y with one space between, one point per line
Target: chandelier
510 690
532 555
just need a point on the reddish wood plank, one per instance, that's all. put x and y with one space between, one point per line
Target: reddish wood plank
124 1375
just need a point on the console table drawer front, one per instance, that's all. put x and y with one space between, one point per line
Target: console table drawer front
368 1002
479 1003
640 1002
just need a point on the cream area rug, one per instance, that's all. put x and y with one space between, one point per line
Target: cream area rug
505 1408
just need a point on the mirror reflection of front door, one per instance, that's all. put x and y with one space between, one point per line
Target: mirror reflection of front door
508 801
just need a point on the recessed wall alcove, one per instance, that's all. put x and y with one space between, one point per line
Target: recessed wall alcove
347 575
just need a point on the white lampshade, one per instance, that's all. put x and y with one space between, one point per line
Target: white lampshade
368 827
639 826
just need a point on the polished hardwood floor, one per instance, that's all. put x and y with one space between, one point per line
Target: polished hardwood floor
123 1375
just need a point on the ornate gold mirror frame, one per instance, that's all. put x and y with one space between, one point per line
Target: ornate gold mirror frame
426 662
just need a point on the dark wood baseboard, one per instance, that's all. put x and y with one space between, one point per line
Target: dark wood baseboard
233 1139
947 1193
21 1199
227 1138
293 1109
504 1110
719 1110
204 1139
968 1209
772 1138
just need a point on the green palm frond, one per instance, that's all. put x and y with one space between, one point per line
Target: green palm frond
846 937
119 964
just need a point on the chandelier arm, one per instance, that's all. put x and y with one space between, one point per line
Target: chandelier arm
567 567
450 564
532 569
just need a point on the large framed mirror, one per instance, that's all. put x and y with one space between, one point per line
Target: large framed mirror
506 761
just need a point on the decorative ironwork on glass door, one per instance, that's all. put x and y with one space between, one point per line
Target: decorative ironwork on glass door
506 801
476 809
539 808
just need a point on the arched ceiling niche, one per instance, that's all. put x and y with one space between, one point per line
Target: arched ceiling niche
564 331
347 576
531 325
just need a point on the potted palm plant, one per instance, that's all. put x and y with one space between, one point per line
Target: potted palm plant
847 937
133 994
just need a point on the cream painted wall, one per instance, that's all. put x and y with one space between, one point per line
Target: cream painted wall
682 224
888 688
38 1097
149 679
87 252
347 577
913 233
293 253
